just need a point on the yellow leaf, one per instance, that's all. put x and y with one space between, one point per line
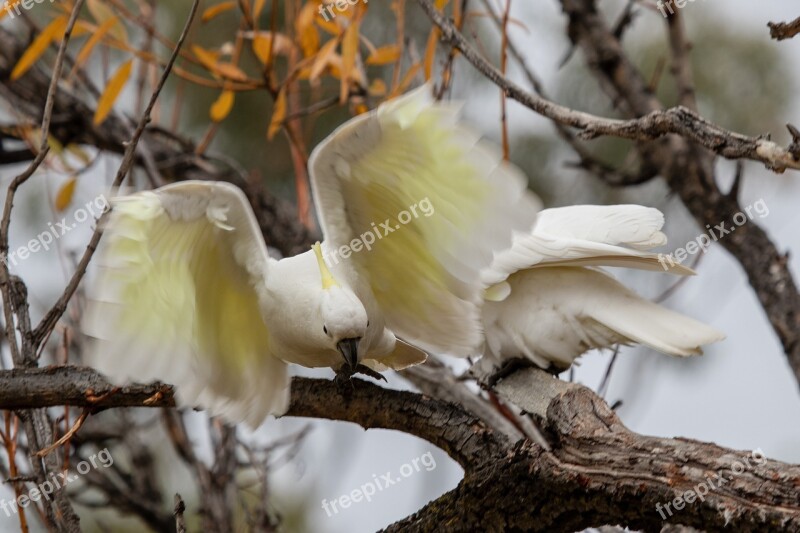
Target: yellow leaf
278 114
82 28
51 32
349 52
329 26
322 59
86 51
111 92
384 55
307 34
101 13
258 5
377 88
231 71
206 57
407 79
430 52
262 45
65 193
213 11
441 3
222 106
209 60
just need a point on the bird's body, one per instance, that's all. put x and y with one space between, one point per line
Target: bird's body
548 302
291 305
413 207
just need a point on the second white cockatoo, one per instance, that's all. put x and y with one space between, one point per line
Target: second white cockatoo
412 207
548 302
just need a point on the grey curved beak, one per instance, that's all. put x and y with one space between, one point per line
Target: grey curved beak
349 350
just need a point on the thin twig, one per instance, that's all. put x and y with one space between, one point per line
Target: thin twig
678 120
52 316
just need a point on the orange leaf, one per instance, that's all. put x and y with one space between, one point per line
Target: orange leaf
329 26
222 106
407 79
307 34
213 11
430 52
322 59
278 114
111 92
101 13
86 51
262 45
349 52
231 71
206 57
377 88
441 3
258 5
51 32
384 55
65 194
210 60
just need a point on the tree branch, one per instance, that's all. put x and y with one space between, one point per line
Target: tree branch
599 472
602 473
784 30
677 120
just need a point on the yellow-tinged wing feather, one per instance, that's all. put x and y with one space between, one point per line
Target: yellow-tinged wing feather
176 300
418 205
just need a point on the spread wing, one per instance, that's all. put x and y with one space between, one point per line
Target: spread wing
175 299
588 235
418 204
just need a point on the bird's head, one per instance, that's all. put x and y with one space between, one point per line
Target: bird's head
344 319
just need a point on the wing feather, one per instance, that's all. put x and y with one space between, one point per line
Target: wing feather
175 299
588 235
425 272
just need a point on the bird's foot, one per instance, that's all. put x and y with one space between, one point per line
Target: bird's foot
367 371
344 377
343 381
508 367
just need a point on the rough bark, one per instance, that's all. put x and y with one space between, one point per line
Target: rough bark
598 471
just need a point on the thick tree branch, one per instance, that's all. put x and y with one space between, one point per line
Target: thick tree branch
462 435
599 472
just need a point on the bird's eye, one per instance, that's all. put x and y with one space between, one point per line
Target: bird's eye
367 323
325 329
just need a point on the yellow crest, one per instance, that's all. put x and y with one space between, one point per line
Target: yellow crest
327 278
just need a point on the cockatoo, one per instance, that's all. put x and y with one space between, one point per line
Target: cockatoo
186 292
547 301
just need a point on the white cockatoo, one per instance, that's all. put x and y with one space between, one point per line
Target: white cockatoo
412 207
548 302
